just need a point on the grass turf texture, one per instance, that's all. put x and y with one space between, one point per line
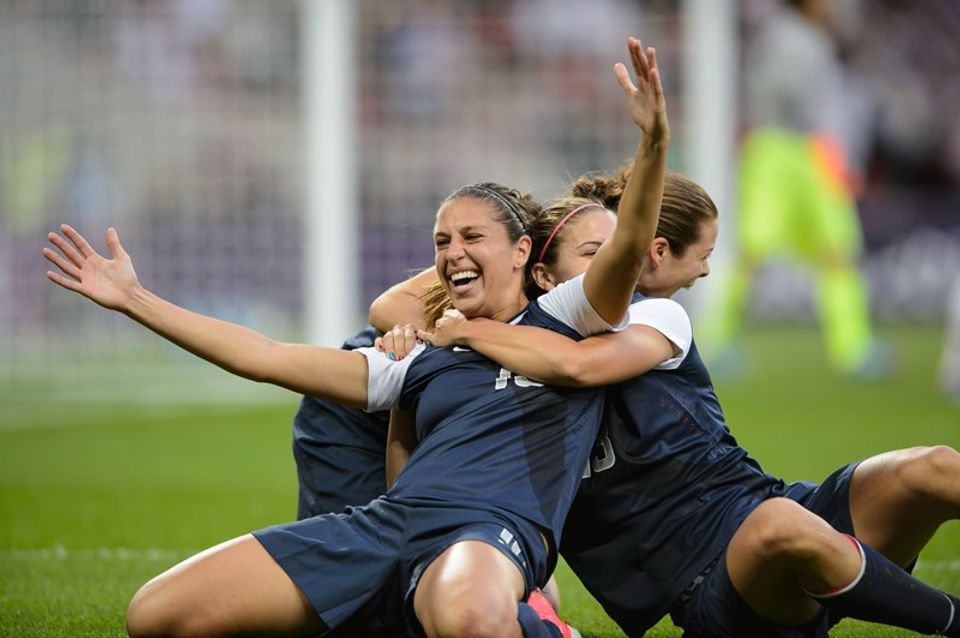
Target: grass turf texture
92 508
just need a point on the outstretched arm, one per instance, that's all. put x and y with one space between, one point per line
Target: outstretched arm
334 374
547 356
613 274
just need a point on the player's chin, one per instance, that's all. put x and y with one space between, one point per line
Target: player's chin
468 306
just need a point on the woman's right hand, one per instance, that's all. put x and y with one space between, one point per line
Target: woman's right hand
109 282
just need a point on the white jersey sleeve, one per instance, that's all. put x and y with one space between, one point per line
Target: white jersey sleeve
385 377
568 303
668 318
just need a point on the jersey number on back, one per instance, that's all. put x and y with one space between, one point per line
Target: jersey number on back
521 381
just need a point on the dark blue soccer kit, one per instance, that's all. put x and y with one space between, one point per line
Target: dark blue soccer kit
339 451
498 460
666 489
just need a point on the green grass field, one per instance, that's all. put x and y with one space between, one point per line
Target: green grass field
95 499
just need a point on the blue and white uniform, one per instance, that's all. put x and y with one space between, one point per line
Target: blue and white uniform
339 451
667 485
499 460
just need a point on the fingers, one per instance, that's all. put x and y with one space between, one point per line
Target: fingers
655 74
385 345
624 79
57 260
77 240
66 249
645 69
640 62
60 280
425 336
113 243
398 342
657 88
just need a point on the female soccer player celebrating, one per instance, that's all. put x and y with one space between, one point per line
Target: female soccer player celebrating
458 540
673 515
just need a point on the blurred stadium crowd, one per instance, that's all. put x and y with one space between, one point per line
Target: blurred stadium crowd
179 121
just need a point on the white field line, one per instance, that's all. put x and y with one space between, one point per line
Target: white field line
120 554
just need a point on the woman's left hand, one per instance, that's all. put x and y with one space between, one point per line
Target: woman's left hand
398 342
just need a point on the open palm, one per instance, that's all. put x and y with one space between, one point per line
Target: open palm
109 282
645 99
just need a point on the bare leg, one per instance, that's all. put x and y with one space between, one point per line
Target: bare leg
551 591
235 588
785 560
780 550
899 499
470 589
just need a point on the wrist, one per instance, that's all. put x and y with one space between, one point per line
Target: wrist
654 146
137 302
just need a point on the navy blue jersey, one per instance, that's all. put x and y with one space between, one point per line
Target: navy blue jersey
491 439
667 487
340 452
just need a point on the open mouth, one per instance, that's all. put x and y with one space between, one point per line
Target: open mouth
463 280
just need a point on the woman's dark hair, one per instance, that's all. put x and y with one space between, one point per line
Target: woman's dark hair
514 210
684 207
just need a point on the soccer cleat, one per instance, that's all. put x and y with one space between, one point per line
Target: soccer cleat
545 611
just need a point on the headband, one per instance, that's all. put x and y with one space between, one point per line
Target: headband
556 229
506 203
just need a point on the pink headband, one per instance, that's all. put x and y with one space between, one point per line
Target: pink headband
556 229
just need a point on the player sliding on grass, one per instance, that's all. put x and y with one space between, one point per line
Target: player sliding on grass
471 525
673 515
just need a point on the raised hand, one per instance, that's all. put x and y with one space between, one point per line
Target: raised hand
645 98
109 282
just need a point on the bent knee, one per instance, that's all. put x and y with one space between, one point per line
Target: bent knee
145 615
152 614
929 471
783 529
470 621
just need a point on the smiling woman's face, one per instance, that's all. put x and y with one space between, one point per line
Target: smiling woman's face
478 265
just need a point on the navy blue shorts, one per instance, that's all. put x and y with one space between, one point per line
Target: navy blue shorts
715 607
360 568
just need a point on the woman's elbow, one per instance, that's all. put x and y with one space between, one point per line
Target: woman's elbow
379 313
572 373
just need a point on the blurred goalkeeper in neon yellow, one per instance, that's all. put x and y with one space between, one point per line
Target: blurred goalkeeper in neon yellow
796 193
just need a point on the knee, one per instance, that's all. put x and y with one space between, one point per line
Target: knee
931 472
472 620
146 617
152 614
782 530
